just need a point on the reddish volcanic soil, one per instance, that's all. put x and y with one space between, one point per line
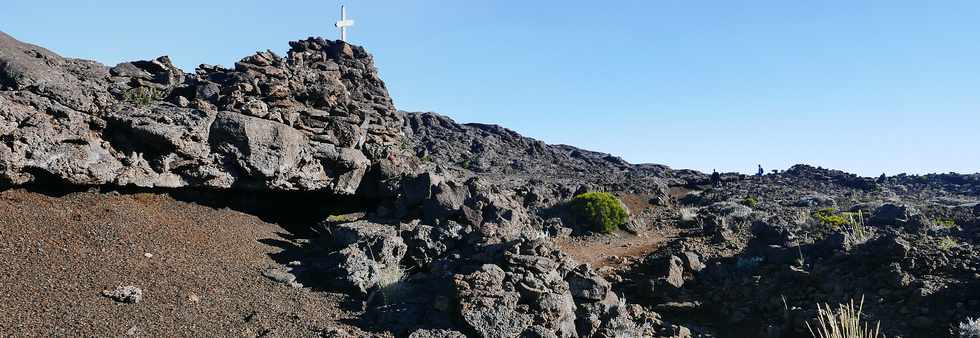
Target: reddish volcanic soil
200 270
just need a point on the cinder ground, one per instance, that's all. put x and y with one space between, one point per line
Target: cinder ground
199 268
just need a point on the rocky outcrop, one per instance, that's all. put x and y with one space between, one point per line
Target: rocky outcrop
533 290
803 171
319 118
545 174
363 252
890 214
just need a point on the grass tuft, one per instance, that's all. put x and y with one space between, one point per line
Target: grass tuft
845 322
390 285
970 328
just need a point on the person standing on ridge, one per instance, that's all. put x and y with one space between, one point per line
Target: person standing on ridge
760 172
715 177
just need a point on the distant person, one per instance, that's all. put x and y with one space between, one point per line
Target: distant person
760 172
715 177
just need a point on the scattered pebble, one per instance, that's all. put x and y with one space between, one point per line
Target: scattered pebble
280 274
148 255
133 331
125 294
194 298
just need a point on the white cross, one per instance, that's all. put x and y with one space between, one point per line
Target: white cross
343 23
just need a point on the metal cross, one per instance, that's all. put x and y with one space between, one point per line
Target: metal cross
343 23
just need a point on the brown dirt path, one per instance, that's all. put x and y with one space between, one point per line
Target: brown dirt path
203 279
611 250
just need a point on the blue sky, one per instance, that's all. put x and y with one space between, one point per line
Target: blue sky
863 86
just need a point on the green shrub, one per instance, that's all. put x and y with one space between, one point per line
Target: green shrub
831 218
142 96
601 209
947 243
339 219
750 201
947 223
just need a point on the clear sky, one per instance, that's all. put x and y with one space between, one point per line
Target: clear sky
864 86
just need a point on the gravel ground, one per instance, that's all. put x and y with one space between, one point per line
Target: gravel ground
199 269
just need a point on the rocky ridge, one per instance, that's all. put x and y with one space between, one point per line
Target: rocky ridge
318 119
454 223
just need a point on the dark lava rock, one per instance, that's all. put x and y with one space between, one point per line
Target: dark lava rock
317 119
900 215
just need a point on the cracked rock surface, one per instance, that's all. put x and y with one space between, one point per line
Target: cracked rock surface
318 118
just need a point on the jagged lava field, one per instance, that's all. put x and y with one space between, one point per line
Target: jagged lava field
289 197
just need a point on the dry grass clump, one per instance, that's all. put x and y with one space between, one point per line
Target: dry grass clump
970 328
390 285
845 322
857 232
689 215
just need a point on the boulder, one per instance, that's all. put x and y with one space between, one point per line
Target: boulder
362 252
487 307
900 215
585 284
259 148
693 261
675 272
426 243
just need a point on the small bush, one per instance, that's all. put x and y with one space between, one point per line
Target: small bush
831 218
339 219
601 209
750 201
947 223
142 96
947 243
845 322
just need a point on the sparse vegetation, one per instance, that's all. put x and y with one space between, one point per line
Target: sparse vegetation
601 209
800 261
339 219
142 96
947 243
856 231
970 328
688 215
831 218
845 322
947 223
750 201
390 284
802 217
